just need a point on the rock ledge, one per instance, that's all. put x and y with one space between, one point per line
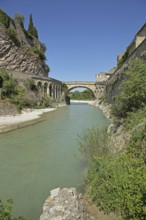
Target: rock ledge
64 204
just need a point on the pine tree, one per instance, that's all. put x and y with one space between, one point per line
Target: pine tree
31 29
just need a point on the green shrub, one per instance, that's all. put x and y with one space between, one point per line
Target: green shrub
47 102
4 74
137 142
13 35
4 19
20 19
103 99
43 47
47 68
6 211
133 90
9 85
30 84
94 142
118 184
135 118
28 99
40 53
9 88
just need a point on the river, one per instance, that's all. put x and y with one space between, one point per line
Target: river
41 157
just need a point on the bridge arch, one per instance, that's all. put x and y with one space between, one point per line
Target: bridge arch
45 88
84 87
39 86
50 90
79 84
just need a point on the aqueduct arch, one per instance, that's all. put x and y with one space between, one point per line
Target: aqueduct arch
49 87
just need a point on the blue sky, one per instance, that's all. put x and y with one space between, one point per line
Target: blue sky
83 37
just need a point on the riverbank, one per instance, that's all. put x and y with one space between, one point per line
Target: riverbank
83 101
27 117
106 109
32 116
68 204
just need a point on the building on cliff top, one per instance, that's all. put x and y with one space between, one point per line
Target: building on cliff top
138 39
136 49
103 76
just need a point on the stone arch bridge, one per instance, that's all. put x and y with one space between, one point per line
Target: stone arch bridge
53 88
96 87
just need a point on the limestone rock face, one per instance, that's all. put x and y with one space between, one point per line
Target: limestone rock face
19 56
6 108
64 204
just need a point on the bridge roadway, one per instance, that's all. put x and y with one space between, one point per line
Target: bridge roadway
80 82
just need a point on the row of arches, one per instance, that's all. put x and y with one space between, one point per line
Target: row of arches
50 89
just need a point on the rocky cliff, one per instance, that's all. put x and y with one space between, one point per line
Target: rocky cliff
19 50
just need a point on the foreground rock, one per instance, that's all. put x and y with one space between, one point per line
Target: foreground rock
64 204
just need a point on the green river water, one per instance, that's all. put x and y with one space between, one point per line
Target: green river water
41 157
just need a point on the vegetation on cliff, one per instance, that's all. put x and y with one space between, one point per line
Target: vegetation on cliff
116 181
4 19
132 95
27 40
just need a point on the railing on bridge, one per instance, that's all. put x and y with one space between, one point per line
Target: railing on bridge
79 82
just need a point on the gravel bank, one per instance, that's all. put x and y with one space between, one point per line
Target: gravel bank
27 117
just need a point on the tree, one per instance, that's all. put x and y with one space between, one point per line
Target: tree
31 29
6 211
82 95
133 89
4 19
20 19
